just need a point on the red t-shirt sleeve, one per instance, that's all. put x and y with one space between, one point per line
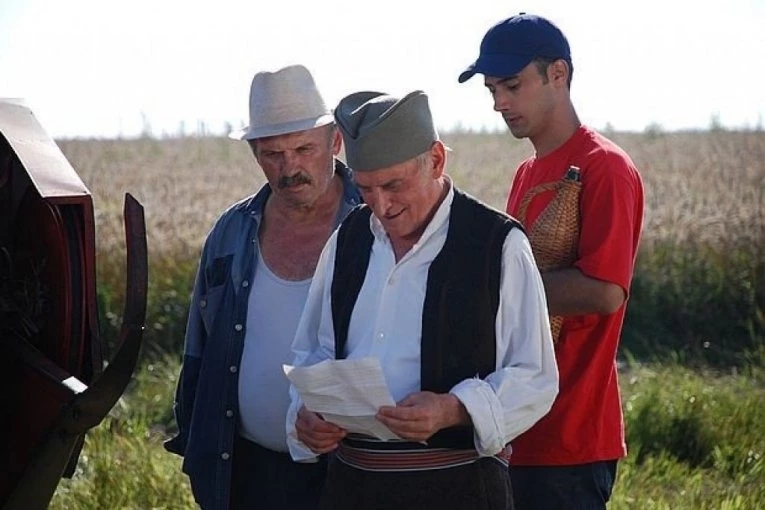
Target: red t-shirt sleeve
610 226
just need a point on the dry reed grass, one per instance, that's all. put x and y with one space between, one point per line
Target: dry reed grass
700 187
701 266
183 184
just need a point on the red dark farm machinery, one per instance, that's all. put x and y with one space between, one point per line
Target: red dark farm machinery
54 384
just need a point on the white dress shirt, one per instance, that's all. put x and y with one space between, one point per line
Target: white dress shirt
387 323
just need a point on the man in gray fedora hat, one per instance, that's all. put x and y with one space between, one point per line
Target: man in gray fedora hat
444 291
253 279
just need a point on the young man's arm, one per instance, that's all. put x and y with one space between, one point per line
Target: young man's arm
599 281
571 292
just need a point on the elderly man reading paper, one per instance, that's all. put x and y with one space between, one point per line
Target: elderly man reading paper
444 292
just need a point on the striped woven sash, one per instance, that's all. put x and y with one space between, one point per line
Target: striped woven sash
370 454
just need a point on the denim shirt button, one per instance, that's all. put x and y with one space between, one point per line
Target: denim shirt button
229 413
202 303
238 327
225 456
245 284
232 369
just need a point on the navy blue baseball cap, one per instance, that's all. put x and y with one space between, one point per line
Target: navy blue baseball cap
512 44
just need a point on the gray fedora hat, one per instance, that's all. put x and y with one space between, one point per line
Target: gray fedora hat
380 130
284 101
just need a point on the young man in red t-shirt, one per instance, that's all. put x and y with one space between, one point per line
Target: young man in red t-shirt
568 459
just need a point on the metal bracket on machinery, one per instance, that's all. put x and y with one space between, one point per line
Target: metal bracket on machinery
55 386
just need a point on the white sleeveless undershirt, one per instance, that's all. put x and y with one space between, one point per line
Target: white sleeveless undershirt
273 311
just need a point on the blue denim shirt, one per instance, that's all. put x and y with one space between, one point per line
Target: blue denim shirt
206 400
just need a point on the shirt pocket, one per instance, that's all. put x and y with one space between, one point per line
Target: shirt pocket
218 271
217 275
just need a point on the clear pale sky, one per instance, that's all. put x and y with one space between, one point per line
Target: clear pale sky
107 68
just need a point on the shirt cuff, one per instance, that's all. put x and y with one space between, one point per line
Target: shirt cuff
486 412
300 452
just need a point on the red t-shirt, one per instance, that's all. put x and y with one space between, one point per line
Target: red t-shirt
585 423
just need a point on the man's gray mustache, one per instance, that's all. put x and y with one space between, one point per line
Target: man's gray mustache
294 180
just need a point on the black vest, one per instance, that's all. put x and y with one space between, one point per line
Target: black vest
458 319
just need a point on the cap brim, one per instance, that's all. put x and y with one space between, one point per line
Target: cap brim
501 66
466 74
248 133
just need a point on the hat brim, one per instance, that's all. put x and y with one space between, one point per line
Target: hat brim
500 66
249 133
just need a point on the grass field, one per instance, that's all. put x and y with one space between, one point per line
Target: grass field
696 439
694 342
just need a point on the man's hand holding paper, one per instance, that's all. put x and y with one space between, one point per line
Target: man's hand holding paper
346 393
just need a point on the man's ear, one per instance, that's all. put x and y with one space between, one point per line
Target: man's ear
337 141
558 72
438 153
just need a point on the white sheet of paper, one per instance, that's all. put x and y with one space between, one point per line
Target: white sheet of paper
345 392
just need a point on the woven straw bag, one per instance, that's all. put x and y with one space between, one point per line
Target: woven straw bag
554 237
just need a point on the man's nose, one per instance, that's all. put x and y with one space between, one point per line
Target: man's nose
497 104
501 102
378 201
290 162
